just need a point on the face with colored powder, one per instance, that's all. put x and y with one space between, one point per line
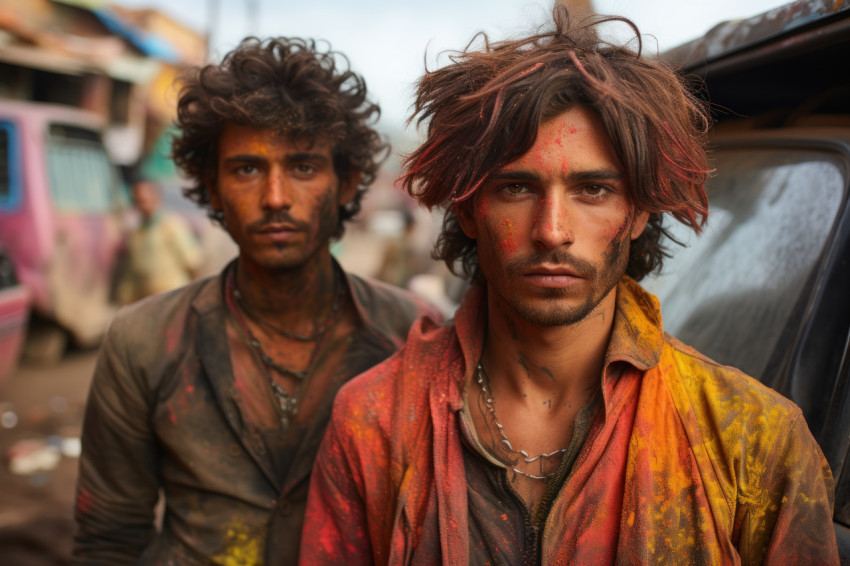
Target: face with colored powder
279 196
553 228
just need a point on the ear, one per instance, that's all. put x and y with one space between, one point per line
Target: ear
348 187
639 224
466 217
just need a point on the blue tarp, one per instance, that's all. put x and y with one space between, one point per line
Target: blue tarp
149 44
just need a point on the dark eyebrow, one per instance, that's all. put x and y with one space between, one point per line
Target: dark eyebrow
503 175
249 158
592 175
252 158
598 174
307 157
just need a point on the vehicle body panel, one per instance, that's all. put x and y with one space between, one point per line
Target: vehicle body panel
14 311
64 255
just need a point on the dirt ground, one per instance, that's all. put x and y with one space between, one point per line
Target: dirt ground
44 404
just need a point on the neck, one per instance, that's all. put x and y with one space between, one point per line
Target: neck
527 360
298 299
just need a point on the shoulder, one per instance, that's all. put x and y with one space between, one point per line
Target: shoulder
158 311
153 332
172 220
745 428
389 307
726 389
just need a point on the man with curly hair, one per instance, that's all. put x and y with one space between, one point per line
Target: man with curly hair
216 396
554 422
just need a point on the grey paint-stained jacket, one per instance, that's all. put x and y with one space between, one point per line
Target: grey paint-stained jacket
166 413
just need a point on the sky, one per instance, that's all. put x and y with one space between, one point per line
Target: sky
387 40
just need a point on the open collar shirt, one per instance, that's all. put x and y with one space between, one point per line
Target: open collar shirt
169 412
688 462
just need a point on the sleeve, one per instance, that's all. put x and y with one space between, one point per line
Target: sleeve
117 488
792 523
335 525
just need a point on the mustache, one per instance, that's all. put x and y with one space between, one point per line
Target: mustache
562 258
277 217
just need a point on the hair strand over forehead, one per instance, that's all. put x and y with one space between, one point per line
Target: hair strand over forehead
485 108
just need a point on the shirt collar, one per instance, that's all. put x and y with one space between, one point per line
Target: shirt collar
637 336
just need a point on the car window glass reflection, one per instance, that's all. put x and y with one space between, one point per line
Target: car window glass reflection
730 292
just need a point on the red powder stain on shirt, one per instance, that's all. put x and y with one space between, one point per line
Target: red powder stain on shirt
173 337
85 503
190 389
172 416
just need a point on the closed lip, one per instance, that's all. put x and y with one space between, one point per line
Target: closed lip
276 227
552 271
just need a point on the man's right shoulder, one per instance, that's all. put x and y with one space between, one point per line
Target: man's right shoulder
156 325
153 310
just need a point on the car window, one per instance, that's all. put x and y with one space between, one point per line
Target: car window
81 176
9 167
730 292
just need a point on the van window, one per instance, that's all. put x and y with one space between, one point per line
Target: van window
10 190
730 292
81 176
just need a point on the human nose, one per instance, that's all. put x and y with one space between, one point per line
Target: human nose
553 225
278 191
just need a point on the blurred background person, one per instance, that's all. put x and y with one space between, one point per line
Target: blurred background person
162 253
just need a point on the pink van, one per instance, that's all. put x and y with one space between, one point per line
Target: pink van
60 205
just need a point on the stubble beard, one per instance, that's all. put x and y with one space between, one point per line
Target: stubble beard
289 259
601 278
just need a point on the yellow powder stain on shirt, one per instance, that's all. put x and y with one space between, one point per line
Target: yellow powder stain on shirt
242 549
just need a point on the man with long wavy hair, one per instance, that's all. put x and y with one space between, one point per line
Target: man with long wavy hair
217 395
554 422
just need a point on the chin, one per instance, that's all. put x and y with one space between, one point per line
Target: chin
552 316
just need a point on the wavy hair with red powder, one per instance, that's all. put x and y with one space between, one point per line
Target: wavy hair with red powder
484 110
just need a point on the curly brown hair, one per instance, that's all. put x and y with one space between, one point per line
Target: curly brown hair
285 84
486 106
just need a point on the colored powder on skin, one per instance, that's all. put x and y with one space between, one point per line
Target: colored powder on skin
543 203
508 242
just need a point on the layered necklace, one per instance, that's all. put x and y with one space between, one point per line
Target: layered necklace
483 381
287 404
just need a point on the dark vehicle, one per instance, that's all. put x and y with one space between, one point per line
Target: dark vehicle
767 287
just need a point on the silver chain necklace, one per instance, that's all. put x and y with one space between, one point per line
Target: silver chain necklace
481 377
287 404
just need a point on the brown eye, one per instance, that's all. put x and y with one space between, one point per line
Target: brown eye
246 169
514 189
595 191
305 169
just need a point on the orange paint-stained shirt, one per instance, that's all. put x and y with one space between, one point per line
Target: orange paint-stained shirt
689 462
